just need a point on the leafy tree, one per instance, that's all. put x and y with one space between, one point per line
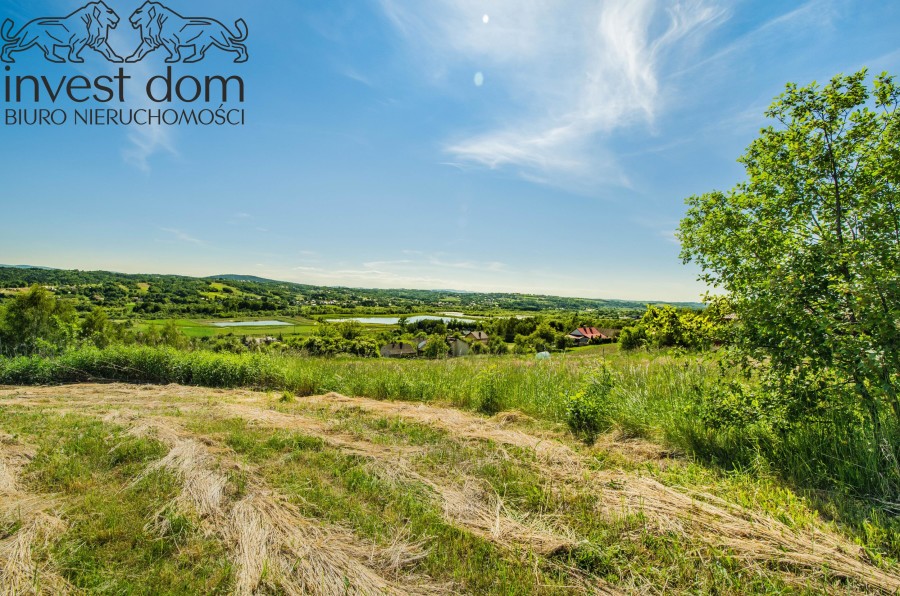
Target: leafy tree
524 345
564 342
667 327
36 321
95 327
350 329
496 345
543 338
436 347
808 248
633 338
170 335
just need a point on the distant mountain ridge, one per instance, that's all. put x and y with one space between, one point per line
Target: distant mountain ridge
27 267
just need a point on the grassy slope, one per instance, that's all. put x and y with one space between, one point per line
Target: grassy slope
476 514
651 400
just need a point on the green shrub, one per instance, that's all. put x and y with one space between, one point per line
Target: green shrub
588 409
489 391
632 338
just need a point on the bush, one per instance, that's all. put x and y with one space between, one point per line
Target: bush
489 391
632 338
587 410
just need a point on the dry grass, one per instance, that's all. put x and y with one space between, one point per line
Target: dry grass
467 502
272 543
752 536
267 532
20 572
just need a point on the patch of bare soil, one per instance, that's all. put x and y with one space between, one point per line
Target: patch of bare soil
34 525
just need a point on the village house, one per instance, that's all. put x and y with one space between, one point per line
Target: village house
399 350
458 347
476 336
586 335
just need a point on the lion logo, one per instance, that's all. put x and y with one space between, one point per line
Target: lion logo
163 27
87 27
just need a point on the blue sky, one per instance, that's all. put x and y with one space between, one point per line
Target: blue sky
508 145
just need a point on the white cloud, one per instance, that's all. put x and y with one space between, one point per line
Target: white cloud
144 142
813 15
415 270
574 72
183 236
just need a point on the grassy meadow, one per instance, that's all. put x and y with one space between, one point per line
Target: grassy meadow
656 397
200 328
176 490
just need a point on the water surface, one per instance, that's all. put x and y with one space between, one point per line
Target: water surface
395 320
252 324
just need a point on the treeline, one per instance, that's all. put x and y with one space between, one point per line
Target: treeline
668 327
168 296
37 322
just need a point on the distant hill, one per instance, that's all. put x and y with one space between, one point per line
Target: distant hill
26 267
178 295
250 278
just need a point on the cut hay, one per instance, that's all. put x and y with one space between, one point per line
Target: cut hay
479 509
472 505
754 537
37 526
272 543
749 535
20 573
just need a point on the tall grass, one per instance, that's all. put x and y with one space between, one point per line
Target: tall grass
655 396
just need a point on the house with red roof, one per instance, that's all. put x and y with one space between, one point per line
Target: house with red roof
586 335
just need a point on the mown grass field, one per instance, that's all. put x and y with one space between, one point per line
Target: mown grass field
408 486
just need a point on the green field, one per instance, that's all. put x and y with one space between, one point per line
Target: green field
191 328
477 486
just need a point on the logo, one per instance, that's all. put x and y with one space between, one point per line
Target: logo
163 27
87 27
159 26
171 97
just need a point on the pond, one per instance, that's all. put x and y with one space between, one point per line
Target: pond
395 320
252 324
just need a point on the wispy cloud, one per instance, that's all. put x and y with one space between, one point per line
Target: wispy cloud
143 142
354 75
813 13
575 73
183 236
149 140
